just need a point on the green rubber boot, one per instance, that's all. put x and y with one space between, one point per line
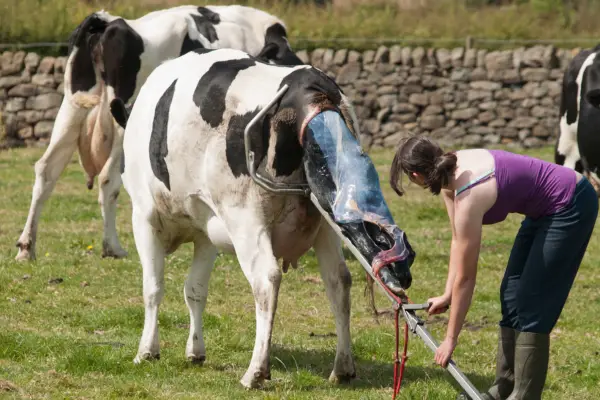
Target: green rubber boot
532 352
505 363
505 358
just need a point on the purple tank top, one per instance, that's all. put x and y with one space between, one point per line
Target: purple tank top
529 186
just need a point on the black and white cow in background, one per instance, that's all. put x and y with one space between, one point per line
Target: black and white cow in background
185 170
110 57
578 144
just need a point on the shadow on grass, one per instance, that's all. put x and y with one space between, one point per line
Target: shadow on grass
371 374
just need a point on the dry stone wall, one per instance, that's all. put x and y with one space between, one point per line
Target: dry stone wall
459 96
31 91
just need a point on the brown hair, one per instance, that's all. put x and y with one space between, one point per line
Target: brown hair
422 155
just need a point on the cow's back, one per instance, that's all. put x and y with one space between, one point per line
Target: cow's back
186 113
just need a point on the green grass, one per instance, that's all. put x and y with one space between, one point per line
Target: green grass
450 20
77 339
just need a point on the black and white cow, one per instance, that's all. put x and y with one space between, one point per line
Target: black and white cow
185 170
110 57
578 144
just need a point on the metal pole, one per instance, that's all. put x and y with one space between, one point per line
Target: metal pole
280 188
414 322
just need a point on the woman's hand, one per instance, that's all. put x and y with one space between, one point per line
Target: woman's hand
444 353
439 304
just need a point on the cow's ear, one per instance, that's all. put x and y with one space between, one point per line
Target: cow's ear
269 52
592 85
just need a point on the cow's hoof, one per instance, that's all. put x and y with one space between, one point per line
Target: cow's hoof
117 252
197 360
25 255
253 380
147 356
337 379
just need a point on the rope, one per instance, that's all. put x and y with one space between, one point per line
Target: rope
399 364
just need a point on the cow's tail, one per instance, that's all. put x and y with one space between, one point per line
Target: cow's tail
85 100
119 112
86 37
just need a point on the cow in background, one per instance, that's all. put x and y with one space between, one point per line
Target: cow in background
578 143
110 58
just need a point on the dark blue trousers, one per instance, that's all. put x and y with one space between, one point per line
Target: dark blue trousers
544 261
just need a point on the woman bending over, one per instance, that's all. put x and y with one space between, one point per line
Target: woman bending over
481 187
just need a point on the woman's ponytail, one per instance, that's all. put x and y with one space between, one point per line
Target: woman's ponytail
441 172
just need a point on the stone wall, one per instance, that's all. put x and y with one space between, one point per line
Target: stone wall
31 92
460 97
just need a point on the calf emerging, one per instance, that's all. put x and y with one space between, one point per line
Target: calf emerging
110 57
578 144
185 170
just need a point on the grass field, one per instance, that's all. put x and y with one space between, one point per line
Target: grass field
70 322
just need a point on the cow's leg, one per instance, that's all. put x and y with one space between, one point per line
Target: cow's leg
110 185
196 292
255 254
152 256
567 150
337 281
63 143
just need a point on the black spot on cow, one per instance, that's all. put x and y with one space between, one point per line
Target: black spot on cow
119 112
85 37
205 23
122 50
122 163
158 137
189 44
210 15
202 50
277 48
592 78
212 88
235 150
568 101
288 151
588 139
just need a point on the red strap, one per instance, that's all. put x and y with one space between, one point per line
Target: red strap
398 364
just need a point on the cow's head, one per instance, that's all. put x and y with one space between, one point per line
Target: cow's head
277 49
315 117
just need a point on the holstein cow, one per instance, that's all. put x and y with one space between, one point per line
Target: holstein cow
186 173
110 57
578 144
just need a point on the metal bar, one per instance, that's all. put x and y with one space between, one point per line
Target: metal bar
414 322
279 188
430 342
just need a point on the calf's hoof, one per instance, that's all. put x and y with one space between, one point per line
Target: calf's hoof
197 360
254 380
343 370
147 356
337 379
26 253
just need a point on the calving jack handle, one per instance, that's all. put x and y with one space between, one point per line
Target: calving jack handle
415 324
